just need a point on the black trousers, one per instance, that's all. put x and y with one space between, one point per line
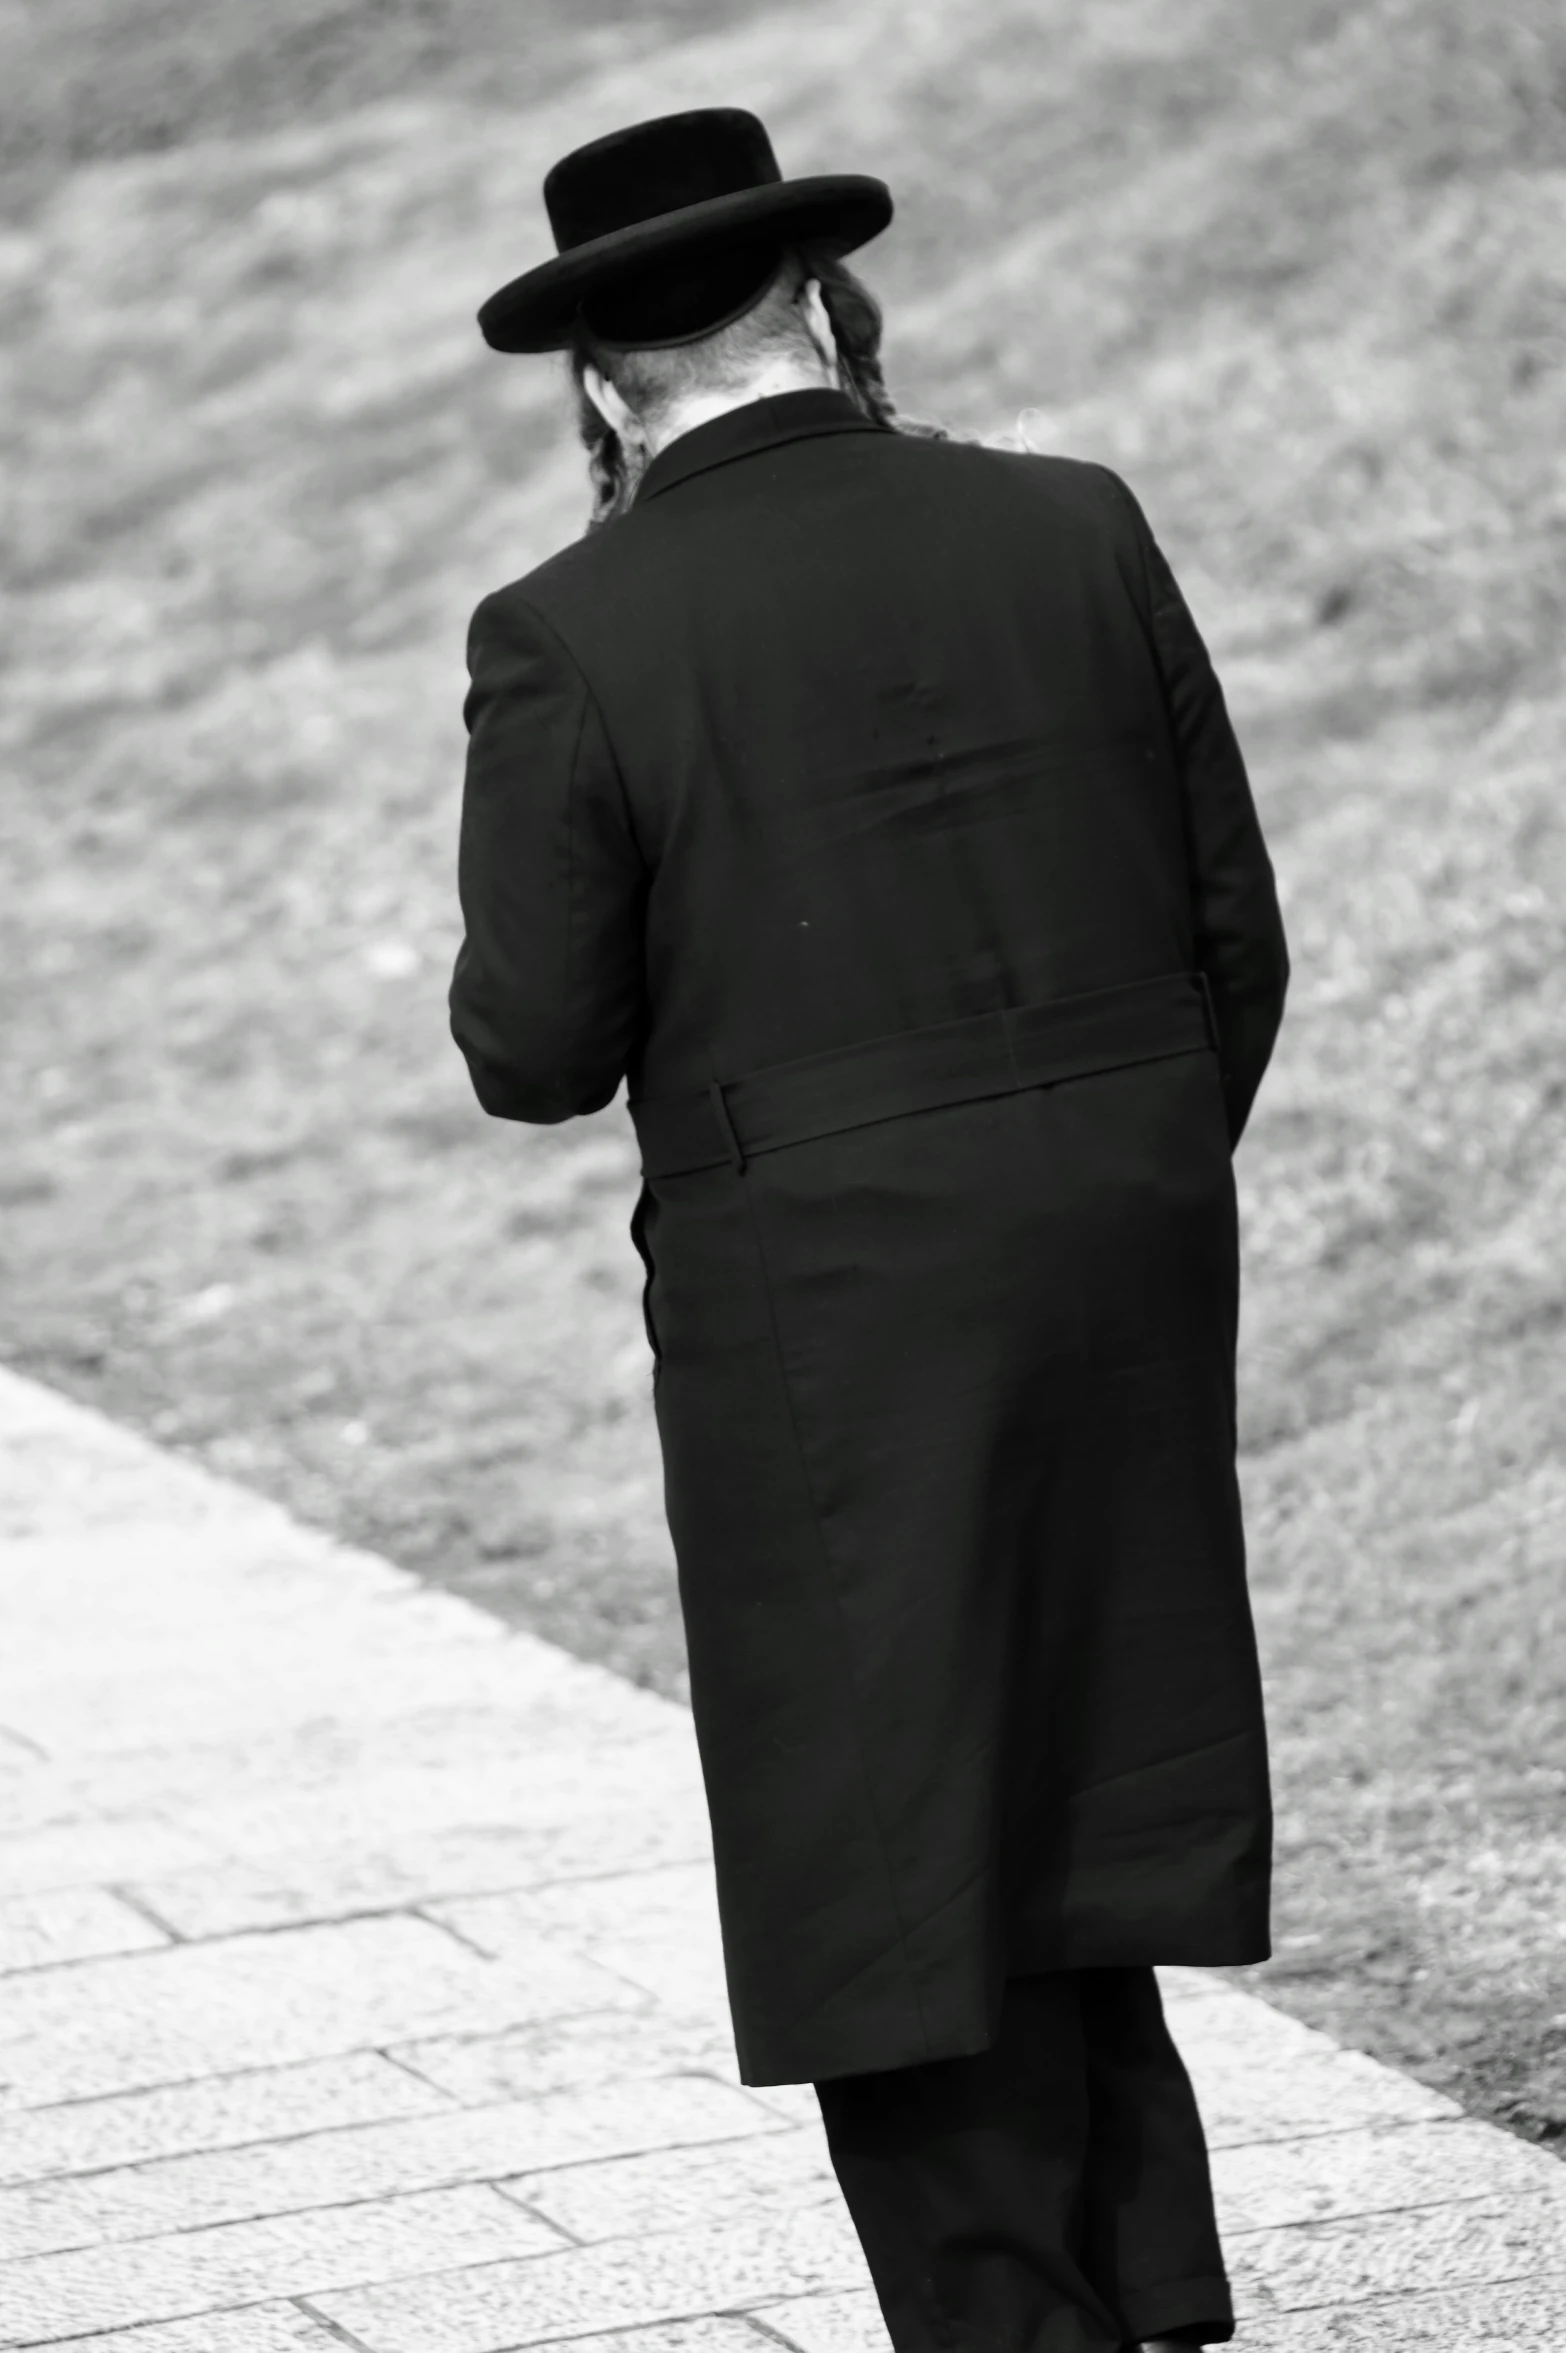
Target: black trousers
1048 2195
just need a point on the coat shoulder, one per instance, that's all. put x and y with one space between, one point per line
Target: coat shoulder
1079 496
537 602
563 598
1081 486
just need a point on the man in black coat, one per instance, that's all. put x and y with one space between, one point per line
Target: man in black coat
866 801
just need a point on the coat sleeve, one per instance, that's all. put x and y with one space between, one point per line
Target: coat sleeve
1239 937
547 998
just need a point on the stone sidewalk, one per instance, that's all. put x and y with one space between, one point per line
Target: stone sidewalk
360 1987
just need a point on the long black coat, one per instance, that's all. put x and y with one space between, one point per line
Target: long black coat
840 734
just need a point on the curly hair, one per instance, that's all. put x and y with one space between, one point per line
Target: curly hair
650 380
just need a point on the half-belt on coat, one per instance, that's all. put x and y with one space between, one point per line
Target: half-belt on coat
868 804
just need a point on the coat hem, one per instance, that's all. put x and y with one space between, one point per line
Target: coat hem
873 2053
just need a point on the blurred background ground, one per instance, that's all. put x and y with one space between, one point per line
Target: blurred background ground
1300 273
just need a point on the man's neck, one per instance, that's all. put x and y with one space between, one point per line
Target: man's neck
782 376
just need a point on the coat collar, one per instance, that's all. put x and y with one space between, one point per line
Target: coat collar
759 424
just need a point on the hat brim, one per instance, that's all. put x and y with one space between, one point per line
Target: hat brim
537 311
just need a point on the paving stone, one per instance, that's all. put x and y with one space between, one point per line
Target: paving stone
69 1924
283 1762
1518 2316
1191 1985
336 1881
177 1583
849 2323
87 1852
1359 2256
796 2102
214 2112
658 1928
782 2172
1375 2169
300 1890
1262 2076
37 1791
1310 2095
63 1468
628 2044
260 2328
530 1757
356 2163
202 1699
560 2054
253 1630
719 2333
221 1681
301 1994
533 1771
277 1688
625 2285
49 2296
249 1728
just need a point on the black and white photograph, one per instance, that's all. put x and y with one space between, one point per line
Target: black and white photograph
783 1216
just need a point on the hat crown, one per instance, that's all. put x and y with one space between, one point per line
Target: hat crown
654 168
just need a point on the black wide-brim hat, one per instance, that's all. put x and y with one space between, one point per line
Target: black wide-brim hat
670 229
